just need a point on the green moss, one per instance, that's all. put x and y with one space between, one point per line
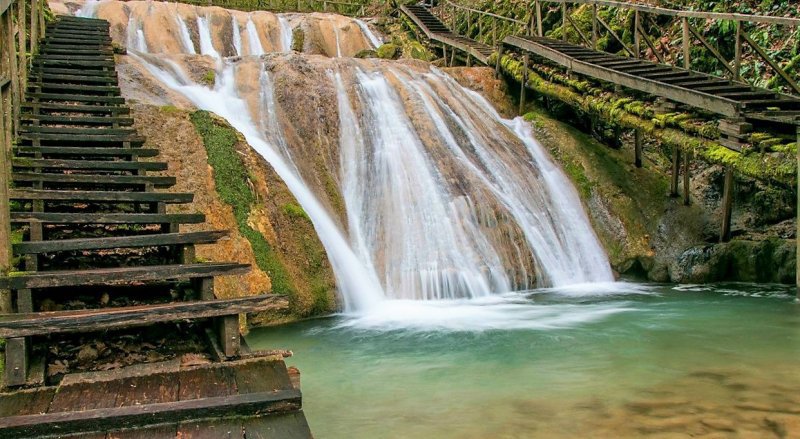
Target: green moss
298 39
169 109
388 51
230 177
209 78
295 211
366 53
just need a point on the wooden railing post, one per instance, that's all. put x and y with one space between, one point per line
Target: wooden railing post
687 44
637 49
538 7
564 21
727 205
797 230
594 26
737 60
22 35
5 155
522 86
13 71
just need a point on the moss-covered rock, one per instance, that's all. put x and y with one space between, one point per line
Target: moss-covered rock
366 53
388 51
298 39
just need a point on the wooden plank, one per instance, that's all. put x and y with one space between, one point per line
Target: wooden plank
159 432
79 130
77 98
101 196
26 401
712 49
280 426
30 426
216 429
78 120
86 151
85 396
68 108
262 376
57 322
147 389
34 247
107 218
73 77
100 136
107 276
88 164
156 181
727 205
16 361
206 382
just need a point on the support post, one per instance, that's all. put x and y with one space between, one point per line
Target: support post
12 70
21 34
5 170
444 54
539 30
727 205
564 21
594 26
687 44
637 148
737 60
497 63
676 169
687 157
797 231
637 43
522 85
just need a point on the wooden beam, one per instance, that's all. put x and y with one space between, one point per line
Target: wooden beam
137 416
650 44
133 241
564 21
687 157
637 45
539 29
89 320
712 49
797 208
614 35
771 63
594 27
676 167
583 36
686 43
523 84
727 205
637 148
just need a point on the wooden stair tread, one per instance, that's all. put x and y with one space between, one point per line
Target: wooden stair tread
76 98
108 218
39 61
77 120
88 151
67 108
97 136
106 276
114 196
72 77
157 181
71 130
150 240
90 320
74 87
72 70
88 164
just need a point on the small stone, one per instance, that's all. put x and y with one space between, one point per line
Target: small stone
87 354
104 299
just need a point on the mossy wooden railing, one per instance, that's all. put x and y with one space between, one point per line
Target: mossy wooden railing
21 27
339 7
491 28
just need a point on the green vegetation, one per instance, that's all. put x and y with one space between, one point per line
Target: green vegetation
298 39
230 177
388 51
209 78
295 211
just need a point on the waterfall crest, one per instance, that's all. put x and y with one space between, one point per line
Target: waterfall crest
441 198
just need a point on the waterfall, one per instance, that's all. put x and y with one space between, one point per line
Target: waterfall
373 39
186 37
286 33
206 42
136 40
443 199
253 38
237 36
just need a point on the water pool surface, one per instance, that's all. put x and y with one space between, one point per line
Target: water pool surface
596 361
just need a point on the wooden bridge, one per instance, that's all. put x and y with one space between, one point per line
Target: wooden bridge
107 270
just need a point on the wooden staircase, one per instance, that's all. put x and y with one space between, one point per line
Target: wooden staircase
96 232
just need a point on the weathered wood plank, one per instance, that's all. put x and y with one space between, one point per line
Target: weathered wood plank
67 108
34 247
77 120
206 382
156 181
134 416
101 196
85 396
260 376
216 429
26 402
105 276
88 164
27 324
108 218
279 426
87 151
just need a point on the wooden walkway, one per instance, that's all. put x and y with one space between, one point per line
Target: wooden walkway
102 254
710 93
435 30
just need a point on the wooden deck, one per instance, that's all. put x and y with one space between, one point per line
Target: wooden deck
435 30
251 398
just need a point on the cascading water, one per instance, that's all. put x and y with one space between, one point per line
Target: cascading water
373 39
436 185
237 36
186 37
286 33
253 39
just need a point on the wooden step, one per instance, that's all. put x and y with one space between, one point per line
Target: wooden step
88 164
104 319
741 95
107 180
77 57
70 78
77 120
87 421
158 239
121 275
58 97
66 108
54 50
101 196
85 131
134 139
74 70
108 218
37 86
47 151
40 61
